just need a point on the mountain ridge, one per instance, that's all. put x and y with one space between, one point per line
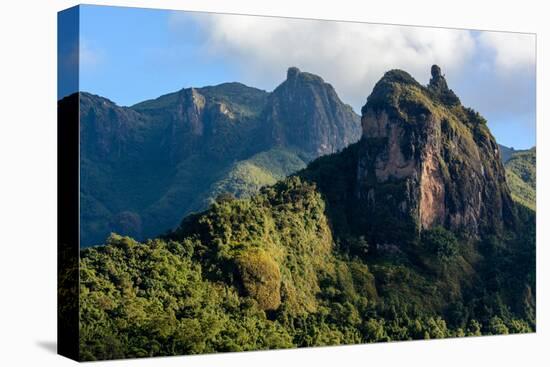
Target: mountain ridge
331 255
423 140
179 145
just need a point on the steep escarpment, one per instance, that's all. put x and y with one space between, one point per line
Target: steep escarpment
305 112
409 233
146 166
428 161
109 132
214 121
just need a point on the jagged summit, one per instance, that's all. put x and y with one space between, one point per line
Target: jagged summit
292 72
295 75
397 75
438 85
193 142
423 153
305 111
436 74
385 88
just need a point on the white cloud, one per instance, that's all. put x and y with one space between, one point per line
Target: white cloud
350 56
512 51
488 70
90 56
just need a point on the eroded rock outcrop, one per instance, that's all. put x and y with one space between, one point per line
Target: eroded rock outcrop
165 157
425 160
305 112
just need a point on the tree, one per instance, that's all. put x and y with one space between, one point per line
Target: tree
441 242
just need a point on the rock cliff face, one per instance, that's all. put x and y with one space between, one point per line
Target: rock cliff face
146 166
210 120
348 250
425 160
109 132
306 112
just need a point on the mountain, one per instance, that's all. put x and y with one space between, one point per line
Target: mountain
505 152
306 112
423 154
423 161
145 167
410 233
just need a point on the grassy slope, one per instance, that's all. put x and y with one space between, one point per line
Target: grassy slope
521 177
246 177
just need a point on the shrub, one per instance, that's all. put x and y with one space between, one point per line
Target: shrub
441 242
261 278
497 326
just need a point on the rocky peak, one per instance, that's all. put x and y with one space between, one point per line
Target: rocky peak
107 129
425 160
292 73
305 112
295 75
437 77
438 86
189 111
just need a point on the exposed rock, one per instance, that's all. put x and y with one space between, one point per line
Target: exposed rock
189 111
438 85
426 160
432 191
306 112
107 130
391 164
162 157
292 73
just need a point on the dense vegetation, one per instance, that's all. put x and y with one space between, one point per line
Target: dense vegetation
267 272
146 166
336 253
248 176
521 176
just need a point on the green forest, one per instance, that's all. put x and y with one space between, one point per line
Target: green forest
521 176
267 273
420 230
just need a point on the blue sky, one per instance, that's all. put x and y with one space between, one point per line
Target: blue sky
129 55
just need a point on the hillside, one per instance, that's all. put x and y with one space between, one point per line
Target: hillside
410 233
521 176
424 161
146 166
505 152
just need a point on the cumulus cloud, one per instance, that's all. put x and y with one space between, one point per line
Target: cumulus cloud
493 72
350 56
512 51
